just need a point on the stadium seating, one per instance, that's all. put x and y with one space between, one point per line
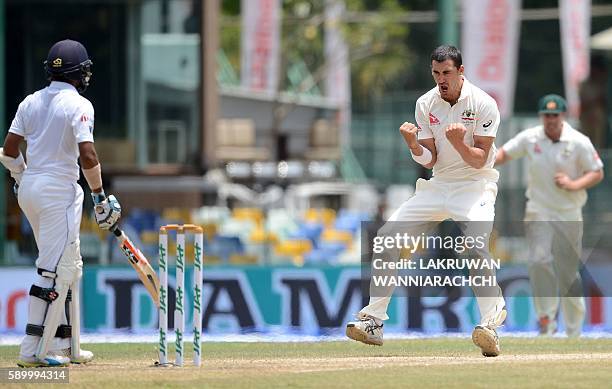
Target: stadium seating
224 247
244 235
238 228
243 259
310 231
142 219
327 252
260 235
252 214
281 223
337 236
350 220
325 216
292 250
211 215
177 215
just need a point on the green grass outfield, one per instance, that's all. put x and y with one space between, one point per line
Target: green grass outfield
423 363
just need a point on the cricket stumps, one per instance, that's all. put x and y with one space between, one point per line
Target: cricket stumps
179 310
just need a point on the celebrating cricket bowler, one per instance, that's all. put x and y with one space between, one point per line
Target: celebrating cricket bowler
456 124
57 124
563 164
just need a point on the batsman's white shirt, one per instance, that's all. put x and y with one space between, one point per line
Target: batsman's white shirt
457 191
573 155
479 114
53 121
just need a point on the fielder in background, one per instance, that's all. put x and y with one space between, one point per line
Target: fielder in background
456 125
563 164
57 124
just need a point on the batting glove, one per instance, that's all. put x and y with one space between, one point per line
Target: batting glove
107 210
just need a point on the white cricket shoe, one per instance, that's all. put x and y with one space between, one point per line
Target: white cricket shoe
485 336
51 360
85 356
367 329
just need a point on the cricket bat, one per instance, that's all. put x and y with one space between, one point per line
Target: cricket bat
139 262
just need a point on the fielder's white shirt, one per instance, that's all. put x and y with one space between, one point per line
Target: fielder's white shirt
573 155
53 121
479 114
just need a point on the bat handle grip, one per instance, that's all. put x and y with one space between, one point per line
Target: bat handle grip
115 230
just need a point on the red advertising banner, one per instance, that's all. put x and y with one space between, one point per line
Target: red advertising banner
575 19
490 35
260 45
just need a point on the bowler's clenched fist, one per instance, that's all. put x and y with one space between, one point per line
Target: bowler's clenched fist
455 133
410 133
563 181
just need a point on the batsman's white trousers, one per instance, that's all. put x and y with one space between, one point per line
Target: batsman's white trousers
53 208
555 249
436 200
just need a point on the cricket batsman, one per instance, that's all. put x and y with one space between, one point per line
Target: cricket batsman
563 164
57 124
456 124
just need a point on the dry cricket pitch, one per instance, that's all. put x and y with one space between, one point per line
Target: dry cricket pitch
437 362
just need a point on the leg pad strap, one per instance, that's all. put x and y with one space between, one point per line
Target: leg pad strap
63 331
46 273
47 294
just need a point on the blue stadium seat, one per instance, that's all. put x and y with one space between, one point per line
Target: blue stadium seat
310 231
353 213
142 219
350 220
224 246
326 253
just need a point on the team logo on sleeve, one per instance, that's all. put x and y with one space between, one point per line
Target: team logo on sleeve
487 123
433 120
87 119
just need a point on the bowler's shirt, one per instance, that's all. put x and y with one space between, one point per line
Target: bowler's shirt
477 111
53 121
573 155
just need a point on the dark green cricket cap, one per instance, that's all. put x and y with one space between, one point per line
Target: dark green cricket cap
552 104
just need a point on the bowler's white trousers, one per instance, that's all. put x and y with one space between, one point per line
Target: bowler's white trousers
53 207
436 200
